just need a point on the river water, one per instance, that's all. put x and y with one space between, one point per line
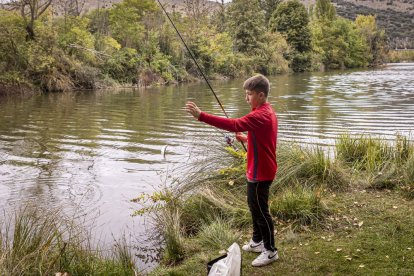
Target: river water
94 151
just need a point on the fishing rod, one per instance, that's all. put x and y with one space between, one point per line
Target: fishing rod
198 66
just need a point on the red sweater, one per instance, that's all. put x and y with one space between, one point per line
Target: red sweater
261 124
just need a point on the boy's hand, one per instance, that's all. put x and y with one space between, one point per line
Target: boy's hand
193 109
241 137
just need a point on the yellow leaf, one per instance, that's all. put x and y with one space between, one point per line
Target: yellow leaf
360 223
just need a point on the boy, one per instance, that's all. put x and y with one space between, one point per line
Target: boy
261 125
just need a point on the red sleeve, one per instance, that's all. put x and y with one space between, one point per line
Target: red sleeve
251 121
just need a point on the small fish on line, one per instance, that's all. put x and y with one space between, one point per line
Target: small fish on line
164 150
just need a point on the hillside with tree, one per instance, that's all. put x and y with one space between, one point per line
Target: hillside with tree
131 43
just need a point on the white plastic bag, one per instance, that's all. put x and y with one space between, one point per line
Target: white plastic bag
230 265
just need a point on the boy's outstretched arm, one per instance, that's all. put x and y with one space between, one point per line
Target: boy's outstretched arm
245 123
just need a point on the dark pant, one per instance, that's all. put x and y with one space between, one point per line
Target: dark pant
257 198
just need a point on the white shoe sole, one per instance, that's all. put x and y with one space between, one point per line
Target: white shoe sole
267 262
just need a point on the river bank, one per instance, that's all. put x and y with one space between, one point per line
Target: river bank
132 43
338 212
334 213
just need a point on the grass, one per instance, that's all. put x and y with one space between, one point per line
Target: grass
299 204
401 56
218 234
380 246
363 152
38 242
336 212
311 167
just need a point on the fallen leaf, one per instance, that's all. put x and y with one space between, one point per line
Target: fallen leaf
338 249
222 252
293 248
360 223
306 244
316 253
395 207
349 259
358 250
409 248
323 238
387 257
361 266
231 182
329 239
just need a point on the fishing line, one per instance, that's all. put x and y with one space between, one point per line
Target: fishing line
198 66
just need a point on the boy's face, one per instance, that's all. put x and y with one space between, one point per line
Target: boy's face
255 99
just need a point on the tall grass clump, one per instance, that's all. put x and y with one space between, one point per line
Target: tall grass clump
174 249
218 234
299 204
363 152
311 166
382 163
165 208
197 210
35 242
230 203
408 188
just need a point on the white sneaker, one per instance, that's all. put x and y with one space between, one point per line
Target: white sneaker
253 246
265 258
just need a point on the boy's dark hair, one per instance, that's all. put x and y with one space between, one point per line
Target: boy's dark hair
258 83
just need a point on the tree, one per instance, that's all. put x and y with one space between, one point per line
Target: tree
269 6
247 25
291 19
30 10
339 44
125 20
376 38
324 10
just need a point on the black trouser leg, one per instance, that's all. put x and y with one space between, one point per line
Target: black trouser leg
257 199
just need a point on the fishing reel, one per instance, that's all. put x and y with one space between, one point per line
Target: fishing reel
230 141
